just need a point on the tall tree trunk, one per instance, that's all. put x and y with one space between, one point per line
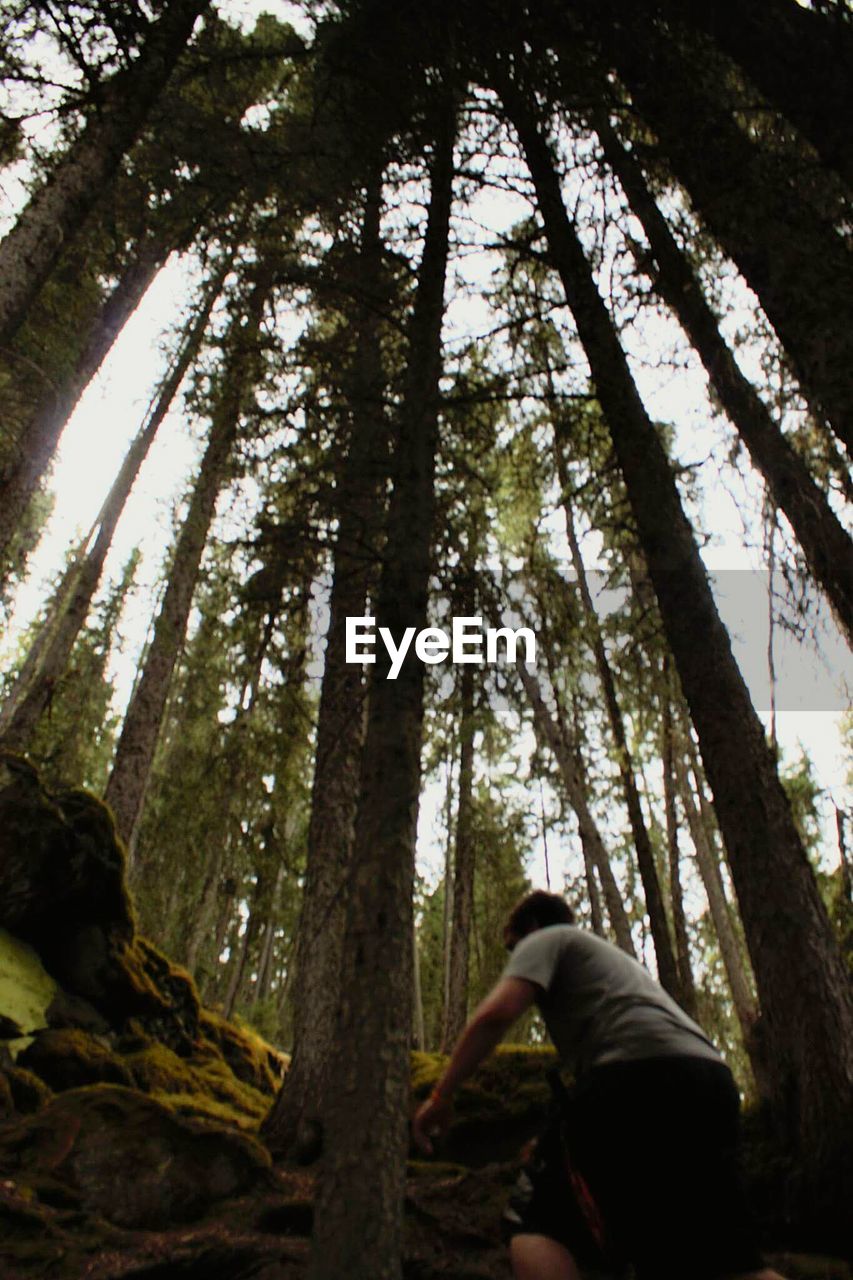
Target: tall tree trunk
707 858
593 845
799 59
593 891
804 991
796 262
37 443
265 960
826 546
668 971
679 919
358 1220
59 208
456 1007
135 750
294 1122
418 1025
33 697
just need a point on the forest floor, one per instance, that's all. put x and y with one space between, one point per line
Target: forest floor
452 1231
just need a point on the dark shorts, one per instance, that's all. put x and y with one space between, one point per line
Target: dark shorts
655 1145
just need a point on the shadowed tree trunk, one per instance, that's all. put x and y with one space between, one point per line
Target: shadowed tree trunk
37 443
796 262
456 1007
707 858
294 1123
804 991
548 731
26 708
668 971
125 791
826 546
358 1219
679 920
59 208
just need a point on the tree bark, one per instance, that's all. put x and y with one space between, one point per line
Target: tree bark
707 858
796 262
593 845
358 1220
679 919
826 545
456 1007
804 991
36 446
135 749
668 972
29 701
294 1124
59 208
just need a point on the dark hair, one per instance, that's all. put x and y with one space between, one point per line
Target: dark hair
536 911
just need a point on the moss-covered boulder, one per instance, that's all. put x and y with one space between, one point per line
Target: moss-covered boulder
497 1110
69 1058
26 993
61 866
126 1158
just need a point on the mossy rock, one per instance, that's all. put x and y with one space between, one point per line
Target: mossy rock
61 864
27 1091
69 1058
203 1086
249 1056
128 1159
497 1110
26 990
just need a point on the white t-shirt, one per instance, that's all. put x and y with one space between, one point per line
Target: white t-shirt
599 1004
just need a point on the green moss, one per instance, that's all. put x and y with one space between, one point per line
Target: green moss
68 1058
502 1105
26 989
202 1085
28 1091
249 1056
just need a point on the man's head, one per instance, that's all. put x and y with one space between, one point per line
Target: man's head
536 910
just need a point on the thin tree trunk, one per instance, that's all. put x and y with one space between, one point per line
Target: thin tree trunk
843 853
668 971
264 977
593 891
59 208
447 906
359 1220
456 1007
707 858
53 660
418 1026
804 991
294 1123
796 262
549 732
679 919
135 750
826 546
37 443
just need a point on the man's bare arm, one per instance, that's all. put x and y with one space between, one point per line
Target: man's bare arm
488 1025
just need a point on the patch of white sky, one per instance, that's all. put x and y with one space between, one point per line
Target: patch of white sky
674 391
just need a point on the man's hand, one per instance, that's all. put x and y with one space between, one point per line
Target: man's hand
432 1120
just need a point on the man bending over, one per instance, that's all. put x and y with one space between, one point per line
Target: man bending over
643 1169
